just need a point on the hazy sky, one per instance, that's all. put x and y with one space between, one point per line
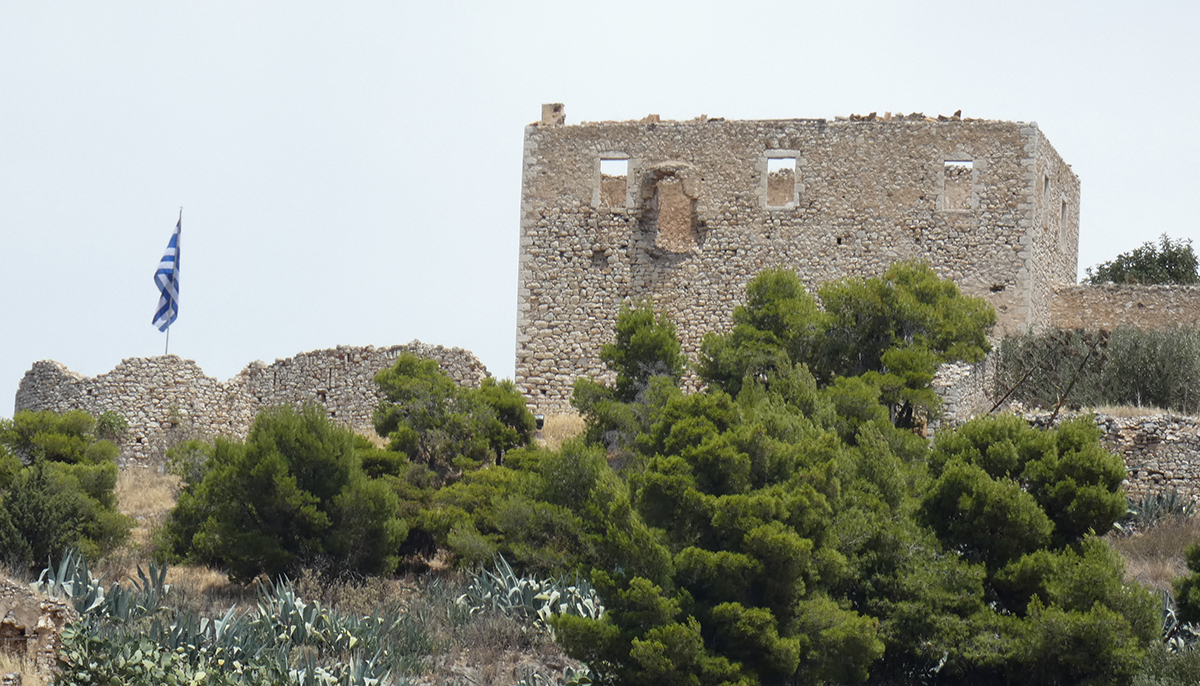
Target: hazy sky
350 172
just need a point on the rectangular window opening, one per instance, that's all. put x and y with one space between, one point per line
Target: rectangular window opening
958 178
1062 214
781 181
614 182
1045 185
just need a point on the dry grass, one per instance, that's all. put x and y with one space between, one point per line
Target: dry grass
147 495
206 591
352 595
376 440
10 664
1128 411
558 428
1154 557
145 491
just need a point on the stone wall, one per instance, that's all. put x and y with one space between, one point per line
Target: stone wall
1161 452
965 389
706 208
167 398
1107 306
31 625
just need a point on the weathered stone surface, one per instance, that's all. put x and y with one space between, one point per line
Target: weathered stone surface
1107 306
164 397
989 204
30 624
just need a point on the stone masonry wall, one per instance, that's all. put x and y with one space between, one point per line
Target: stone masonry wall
705 209
1161 452
1052 229
168 398
1107 306
965 389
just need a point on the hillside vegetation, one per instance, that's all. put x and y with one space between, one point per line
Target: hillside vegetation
788 524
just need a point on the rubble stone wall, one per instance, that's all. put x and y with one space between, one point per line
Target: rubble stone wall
31 625
1107 306
1161 451
702 214
167 398
965 389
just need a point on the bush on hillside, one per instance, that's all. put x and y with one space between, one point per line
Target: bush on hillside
892 331
56 488
292 493
449 428
813 541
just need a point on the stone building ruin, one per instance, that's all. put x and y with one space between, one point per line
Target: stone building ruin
685 213
168 399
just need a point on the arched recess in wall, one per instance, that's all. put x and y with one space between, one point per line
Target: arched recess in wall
668 194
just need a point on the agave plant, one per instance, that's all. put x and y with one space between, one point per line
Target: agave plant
570 677
1176 634
126 635
505 592
1156 507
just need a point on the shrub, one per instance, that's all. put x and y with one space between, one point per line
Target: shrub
56 488
1171 262
1155 367
449 428
1039 368
893 331
1144 367
293 492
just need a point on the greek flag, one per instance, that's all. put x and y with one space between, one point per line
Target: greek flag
167 280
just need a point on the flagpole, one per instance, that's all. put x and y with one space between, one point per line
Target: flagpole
167 346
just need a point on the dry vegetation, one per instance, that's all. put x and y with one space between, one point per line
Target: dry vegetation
147 494
1154 557
1128 411
486 648
10 664
558 428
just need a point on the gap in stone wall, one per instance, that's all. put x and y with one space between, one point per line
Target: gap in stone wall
675 216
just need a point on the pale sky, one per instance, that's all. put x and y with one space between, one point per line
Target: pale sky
350 172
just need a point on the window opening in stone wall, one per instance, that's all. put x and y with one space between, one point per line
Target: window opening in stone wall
1045 186
614 182
781 181
958 178
1062 214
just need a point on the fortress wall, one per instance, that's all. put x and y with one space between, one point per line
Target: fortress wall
166 399
1161 452
1053 225
700 217
1107 306
965 389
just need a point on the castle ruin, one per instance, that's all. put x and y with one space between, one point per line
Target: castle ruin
167 399
685 213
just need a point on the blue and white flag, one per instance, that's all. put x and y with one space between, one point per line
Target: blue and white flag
167 280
